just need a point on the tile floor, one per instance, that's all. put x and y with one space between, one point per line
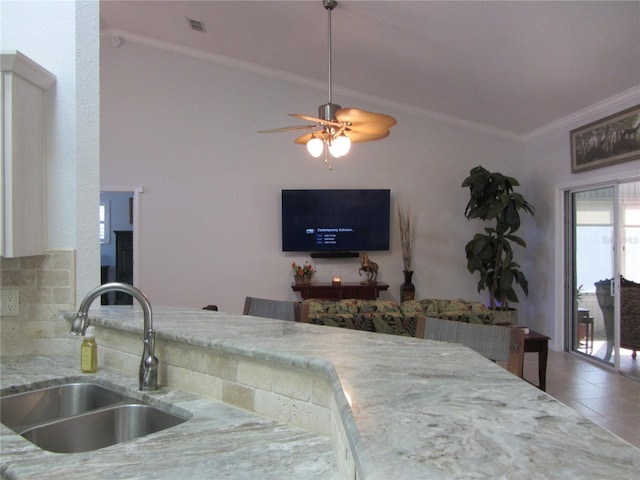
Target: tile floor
603 396
628 366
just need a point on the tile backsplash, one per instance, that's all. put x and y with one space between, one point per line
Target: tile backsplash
46 286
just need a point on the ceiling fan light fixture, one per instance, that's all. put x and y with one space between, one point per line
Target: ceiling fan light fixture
315 147
328 111
333 121
340 146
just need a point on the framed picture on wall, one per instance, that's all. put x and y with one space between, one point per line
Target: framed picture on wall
613 139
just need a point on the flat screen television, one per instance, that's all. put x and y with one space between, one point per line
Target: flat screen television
335 220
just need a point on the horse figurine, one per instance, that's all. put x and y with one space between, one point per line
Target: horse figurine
369 267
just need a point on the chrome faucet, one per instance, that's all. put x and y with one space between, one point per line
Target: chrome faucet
148 375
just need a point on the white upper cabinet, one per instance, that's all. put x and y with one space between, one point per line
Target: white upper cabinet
23 178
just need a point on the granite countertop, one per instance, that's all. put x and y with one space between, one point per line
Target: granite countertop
218 441
419 409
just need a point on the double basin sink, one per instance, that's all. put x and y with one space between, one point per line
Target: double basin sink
80 417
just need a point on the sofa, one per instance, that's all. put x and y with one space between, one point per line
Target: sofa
385 316
458 310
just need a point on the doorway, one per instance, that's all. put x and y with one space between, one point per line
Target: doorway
604 275
118 224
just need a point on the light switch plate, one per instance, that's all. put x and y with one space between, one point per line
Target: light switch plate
9 302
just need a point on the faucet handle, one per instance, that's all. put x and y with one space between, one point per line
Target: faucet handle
148 375
149 345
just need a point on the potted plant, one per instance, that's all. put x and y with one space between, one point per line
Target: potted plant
493 199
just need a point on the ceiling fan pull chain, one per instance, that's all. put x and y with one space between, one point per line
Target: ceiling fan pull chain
327 157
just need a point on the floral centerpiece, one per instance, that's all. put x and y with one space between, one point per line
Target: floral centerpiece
302 273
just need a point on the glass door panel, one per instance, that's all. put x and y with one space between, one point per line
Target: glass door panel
629 279
600 216
594 239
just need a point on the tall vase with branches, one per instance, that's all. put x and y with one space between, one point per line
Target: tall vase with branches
407 289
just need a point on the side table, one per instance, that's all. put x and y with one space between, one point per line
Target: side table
585 330
538 343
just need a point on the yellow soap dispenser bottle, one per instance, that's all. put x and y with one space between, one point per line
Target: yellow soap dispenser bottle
89 352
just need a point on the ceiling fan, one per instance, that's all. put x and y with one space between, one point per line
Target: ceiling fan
336 128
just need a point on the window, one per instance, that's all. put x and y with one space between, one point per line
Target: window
105 221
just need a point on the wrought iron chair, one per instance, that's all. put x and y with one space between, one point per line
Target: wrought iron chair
630 316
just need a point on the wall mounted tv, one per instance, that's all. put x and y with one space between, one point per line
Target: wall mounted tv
335 221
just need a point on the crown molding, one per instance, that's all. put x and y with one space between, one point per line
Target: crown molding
603 108
582 116
307 82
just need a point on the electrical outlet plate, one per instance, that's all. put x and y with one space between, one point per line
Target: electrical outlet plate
9 302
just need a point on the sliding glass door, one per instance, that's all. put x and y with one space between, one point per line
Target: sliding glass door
605 274
630 280
593 255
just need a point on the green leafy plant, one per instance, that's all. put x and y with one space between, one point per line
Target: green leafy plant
579 293
492 198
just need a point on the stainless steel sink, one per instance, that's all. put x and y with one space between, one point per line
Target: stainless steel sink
101 428
79 417
23 410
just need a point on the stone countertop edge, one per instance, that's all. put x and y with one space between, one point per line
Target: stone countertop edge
418 408
279 357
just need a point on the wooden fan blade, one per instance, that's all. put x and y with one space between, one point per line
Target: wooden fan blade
289 129
356 137
363 121
315 120
303 139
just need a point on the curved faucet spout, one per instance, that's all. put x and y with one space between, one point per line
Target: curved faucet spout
148 375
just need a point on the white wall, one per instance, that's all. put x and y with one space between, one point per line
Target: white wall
185 128
548 173
36 41
63 38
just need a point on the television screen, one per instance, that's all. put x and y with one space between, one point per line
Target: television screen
335 220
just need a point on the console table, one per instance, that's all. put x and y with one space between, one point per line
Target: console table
329 291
